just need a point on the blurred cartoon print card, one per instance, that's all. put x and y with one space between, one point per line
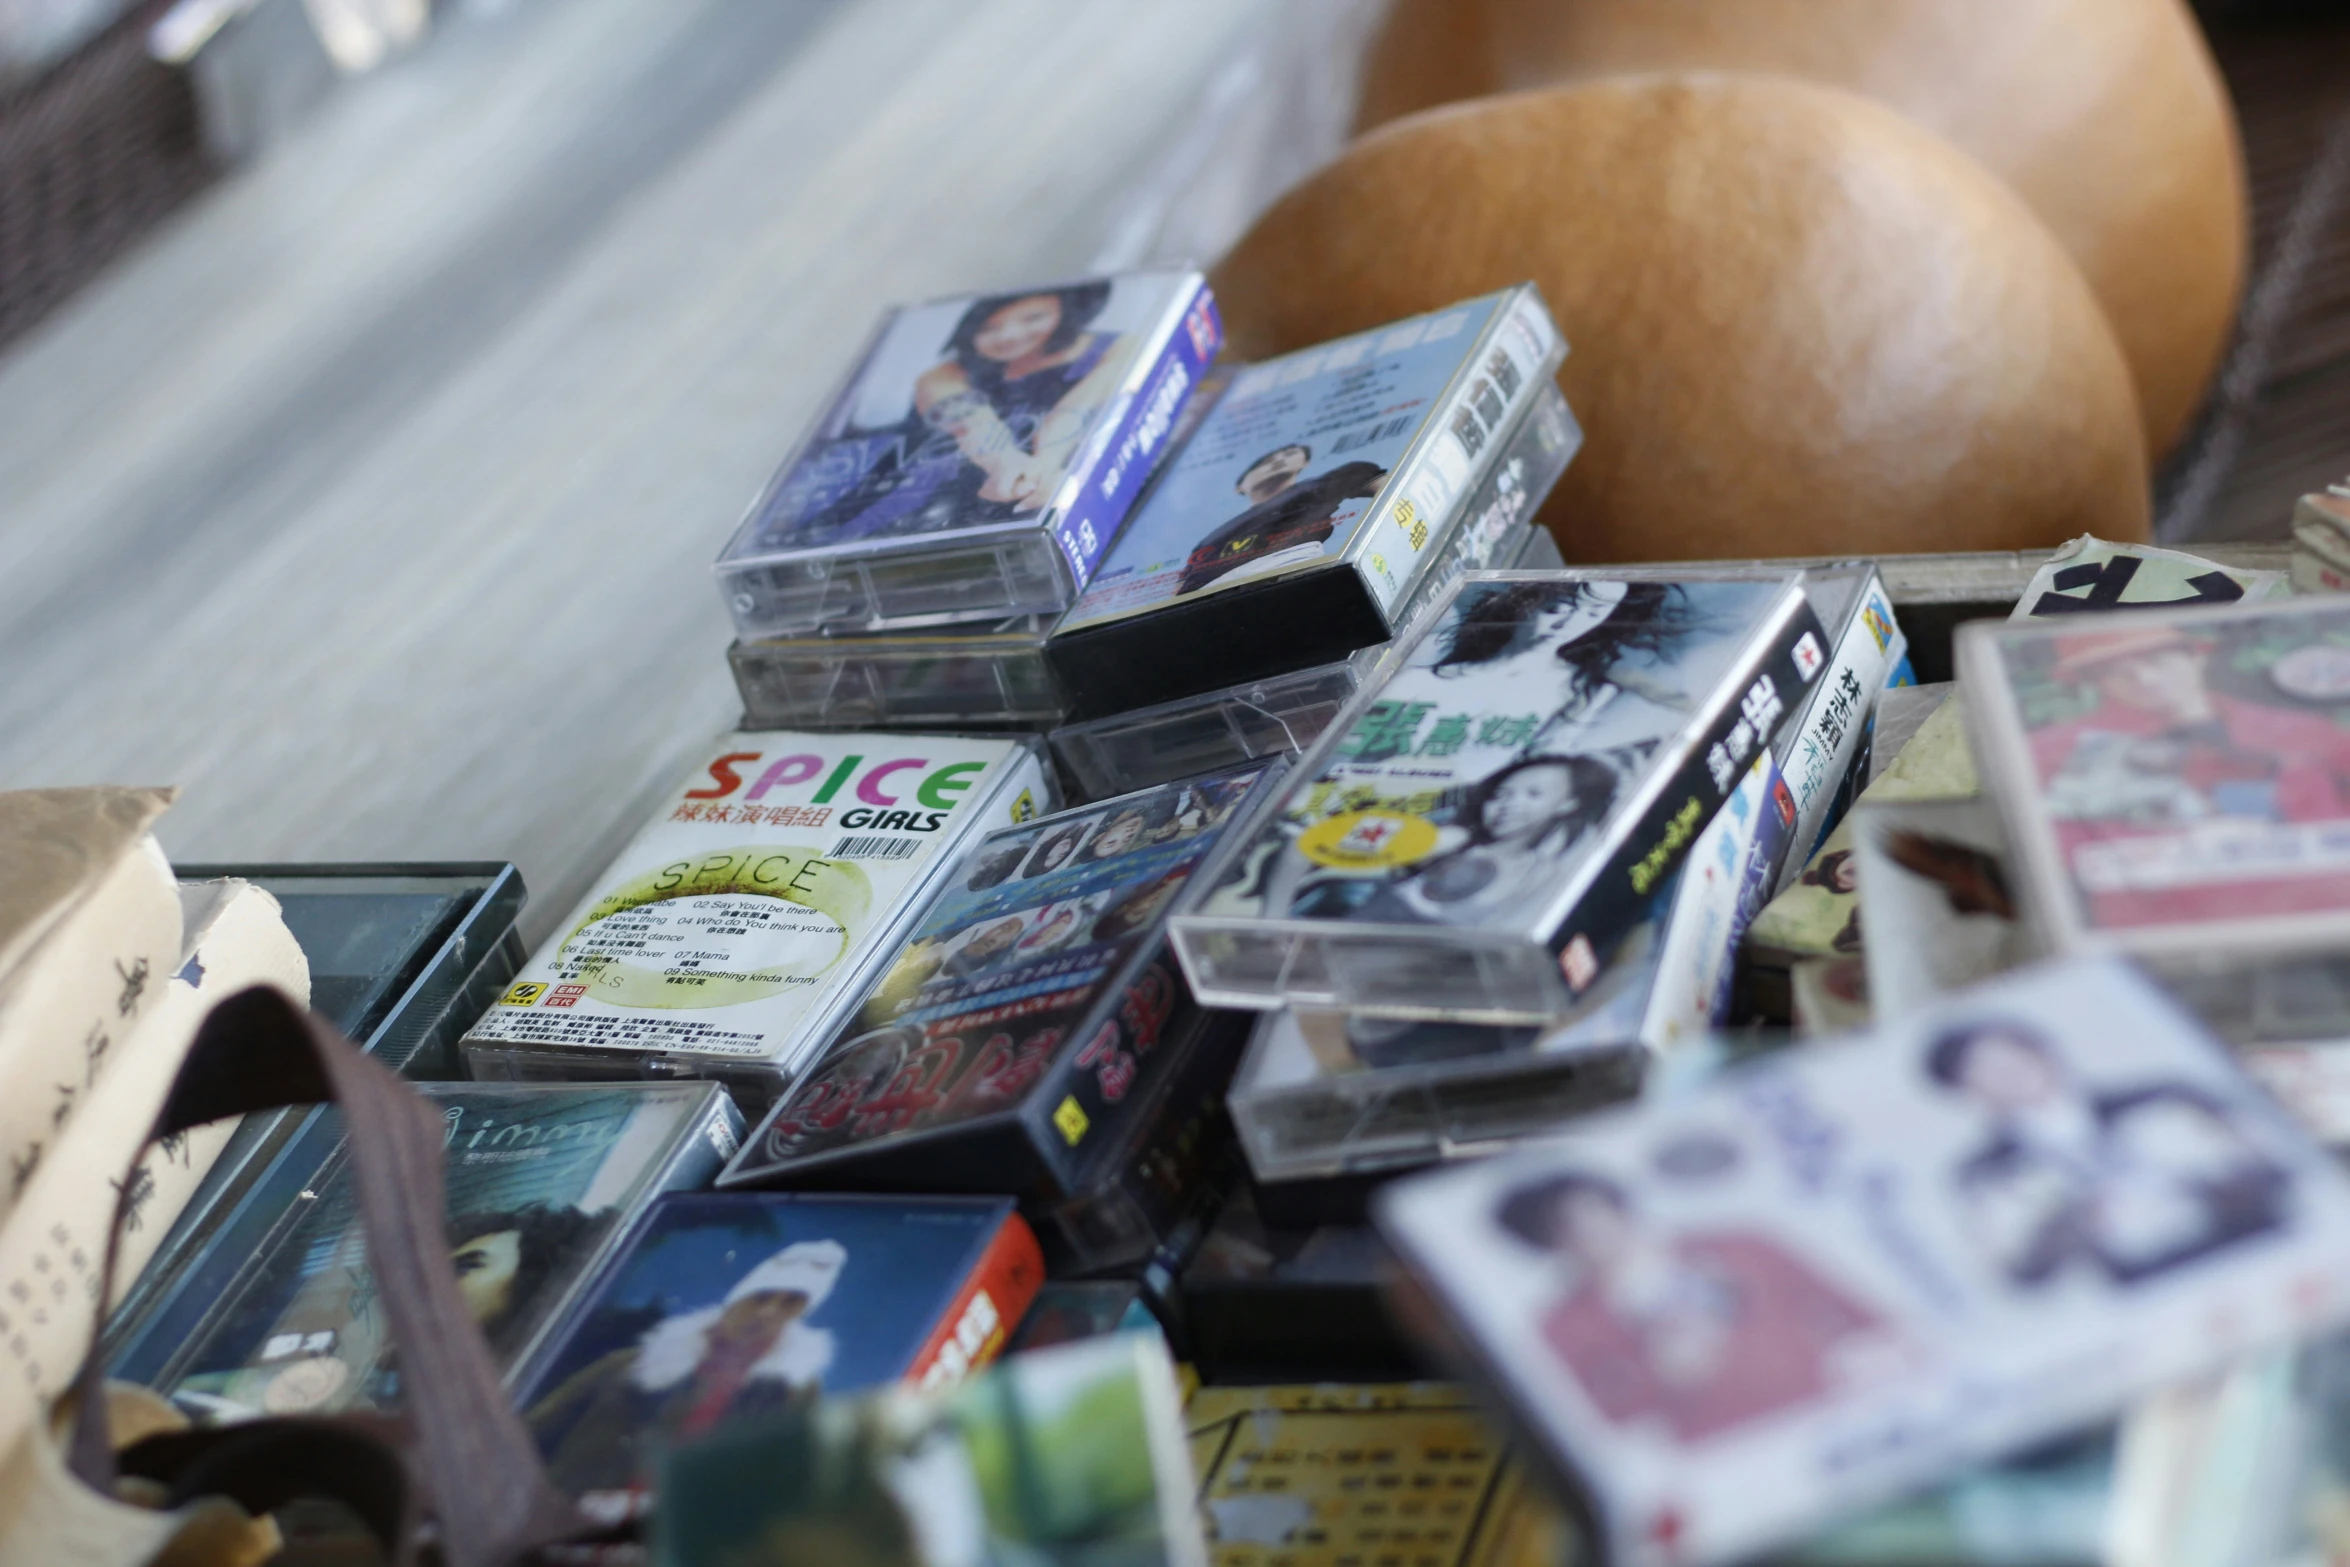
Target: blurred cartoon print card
1848 1271
2175 782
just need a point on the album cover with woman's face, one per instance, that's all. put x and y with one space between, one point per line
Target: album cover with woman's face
996 985
1493 760
1849 1271
966 413
538 1179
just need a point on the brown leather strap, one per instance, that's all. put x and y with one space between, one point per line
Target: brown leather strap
469 1463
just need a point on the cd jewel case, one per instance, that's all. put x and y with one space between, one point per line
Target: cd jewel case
978 460
541 1180
402 958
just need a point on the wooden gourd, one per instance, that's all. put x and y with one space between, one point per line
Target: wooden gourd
1800 324
2107 117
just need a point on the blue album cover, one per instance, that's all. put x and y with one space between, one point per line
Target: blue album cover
1006 968
727 1306
974 412
1280 476
538 1178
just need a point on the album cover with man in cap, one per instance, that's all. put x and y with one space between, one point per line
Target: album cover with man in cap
725 1308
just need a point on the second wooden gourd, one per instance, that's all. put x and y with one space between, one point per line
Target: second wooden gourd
2106 116
1800 325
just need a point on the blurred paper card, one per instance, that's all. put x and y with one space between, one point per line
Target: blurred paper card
1849 1271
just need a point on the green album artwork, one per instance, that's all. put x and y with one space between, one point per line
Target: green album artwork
1074 1456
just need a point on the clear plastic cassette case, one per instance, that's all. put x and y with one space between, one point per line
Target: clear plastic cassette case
1323 1095
1294 524
947 677
1306 1106
1032 1029
1480 830
977 461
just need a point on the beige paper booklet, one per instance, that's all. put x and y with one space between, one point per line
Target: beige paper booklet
90 924
53 1244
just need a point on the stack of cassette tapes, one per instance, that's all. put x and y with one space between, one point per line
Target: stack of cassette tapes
1282 713
1032 1035
1594 698
957 494
1262 548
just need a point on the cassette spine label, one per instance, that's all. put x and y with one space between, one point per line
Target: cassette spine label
1132 447
1684 799
1819 751
1466 439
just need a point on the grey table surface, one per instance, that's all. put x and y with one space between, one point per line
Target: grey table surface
373 502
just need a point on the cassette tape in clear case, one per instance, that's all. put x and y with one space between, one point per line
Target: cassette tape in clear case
1482 827
1299 1120
989 676
751 913
1032 1035
1323 1096
1292 527
978 460
402 958
1283 714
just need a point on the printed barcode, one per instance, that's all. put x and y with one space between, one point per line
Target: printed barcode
1378 432
876 849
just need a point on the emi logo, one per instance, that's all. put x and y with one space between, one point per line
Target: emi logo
523 994
566 995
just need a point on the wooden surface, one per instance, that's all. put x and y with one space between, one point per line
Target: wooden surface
374 501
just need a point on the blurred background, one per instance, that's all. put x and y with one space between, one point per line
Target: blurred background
378 379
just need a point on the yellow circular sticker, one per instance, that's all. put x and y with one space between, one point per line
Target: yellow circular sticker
1368 840
728 927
